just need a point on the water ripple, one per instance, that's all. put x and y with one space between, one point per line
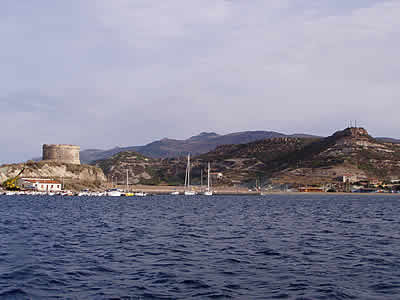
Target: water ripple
222 247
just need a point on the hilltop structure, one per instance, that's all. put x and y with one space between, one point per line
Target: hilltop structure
62 153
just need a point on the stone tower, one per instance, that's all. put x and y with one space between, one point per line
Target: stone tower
62 153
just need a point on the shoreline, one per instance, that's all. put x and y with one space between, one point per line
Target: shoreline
165 190
217 191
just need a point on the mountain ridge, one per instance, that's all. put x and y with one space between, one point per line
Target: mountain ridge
198 144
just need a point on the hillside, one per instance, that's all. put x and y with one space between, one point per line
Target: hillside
388 140
139 169
351 152
245 162
199 144
239 163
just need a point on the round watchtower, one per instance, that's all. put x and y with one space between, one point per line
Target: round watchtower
62 153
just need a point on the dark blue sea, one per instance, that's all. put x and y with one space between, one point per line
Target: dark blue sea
176 247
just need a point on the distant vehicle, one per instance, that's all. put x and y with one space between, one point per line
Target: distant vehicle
11 183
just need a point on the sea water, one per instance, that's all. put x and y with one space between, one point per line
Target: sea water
177 247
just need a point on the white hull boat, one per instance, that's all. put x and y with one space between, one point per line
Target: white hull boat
190 193
140 194
114 193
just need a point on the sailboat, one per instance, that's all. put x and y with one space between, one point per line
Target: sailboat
127 193
208 192
188 190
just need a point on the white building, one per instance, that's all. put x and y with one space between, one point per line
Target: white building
217 175
350 178
42 185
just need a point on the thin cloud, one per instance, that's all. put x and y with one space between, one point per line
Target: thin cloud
121 72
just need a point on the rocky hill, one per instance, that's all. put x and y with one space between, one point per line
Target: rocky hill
138 169
246 162
74 176
199 144
238 163
351 152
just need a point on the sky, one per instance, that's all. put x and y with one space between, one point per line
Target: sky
101 73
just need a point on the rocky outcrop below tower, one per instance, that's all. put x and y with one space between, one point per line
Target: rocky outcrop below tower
75 176
61 153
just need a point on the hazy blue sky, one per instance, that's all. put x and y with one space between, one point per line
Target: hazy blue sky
101 73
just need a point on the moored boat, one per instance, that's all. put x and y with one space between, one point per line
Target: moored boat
114 193
140 194
190 193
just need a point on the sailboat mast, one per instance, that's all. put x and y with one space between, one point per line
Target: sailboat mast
186 175
201 178
126 179
208 177
189 170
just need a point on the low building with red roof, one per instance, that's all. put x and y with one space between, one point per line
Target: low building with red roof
40 184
